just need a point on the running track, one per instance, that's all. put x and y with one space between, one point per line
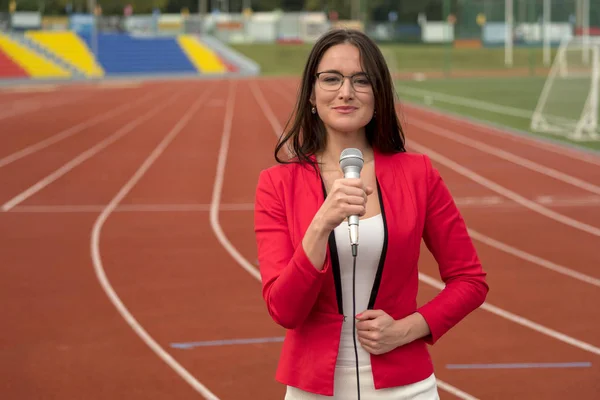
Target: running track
127 228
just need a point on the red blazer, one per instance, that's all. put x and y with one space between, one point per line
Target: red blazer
416 204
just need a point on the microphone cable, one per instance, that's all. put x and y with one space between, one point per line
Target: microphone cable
354 253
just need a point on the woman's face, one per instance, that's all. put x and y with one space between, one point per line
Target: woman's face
344 104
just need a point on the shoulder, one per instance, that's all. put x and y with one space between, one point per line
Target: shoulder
416 171
281 171
414 164
282 175
408 157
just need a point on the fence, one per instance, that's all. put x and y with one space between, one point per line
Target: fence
458 35
483 22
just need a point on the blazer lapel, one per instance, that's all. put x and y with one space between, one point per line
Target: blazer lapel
308 198
310 188
383 174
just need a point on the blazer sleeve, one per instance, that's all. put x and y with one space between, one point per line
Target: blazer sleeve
446 236
290 282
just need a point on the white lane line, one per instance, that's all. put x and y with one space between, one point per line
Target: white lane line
40 105
218 187
505 155
455 391
86 208
99 268
456 167
4 161
92 151
521 320
250 207
469 202
534 259
262 102
524 138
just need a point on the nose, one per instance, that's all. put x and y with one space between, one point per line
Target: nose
346 90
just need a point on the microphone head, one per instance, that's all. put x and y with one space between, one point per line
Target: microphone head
351 157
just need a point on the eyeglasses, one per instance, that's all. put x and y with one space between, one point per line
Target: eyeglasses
332 81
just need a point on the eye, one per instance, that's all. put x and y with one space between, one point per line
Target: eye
330 78
361 81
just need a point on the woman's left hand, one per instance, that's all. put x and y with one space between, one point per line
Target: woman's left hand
377 332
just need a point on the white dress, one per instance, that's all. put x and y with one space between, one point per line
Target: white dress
371 236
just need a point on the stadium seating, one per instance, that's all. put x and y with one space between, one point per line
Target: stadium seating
124 54
67 55
203 58
36 65
9 68
68 47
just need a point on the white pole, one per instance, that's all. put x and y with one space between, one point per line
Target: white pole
546 33
586 31
508 33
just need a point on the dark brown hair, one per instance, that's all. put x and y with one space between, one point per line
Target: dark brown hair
307 134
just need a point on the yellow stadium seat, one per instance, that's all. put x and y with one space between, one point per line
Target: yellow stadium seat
70 48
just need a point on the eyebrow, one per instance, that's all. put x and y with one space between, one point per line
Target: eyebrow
335 70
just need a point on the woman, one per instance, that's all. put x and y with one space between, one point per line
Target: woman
347 101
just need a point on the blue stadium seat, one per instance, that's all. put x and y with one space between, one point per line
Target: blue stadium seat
121 54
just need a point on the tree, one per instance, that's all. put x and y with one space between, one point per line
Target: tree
266 5
292 5
314 5
140 6
175 6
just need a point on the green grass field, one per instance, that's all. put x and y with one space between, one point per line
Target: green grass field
500 95
502 101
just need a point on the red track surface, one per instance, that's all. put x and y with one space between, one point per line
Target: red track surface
143 212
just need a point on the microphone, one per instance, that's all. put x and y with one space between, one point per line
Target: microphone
351 161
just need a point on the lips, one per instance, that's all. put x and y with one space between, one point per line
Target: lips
345 109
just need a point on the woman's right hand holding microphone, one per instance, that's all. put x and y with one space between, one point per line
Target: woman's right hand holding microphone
347 196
